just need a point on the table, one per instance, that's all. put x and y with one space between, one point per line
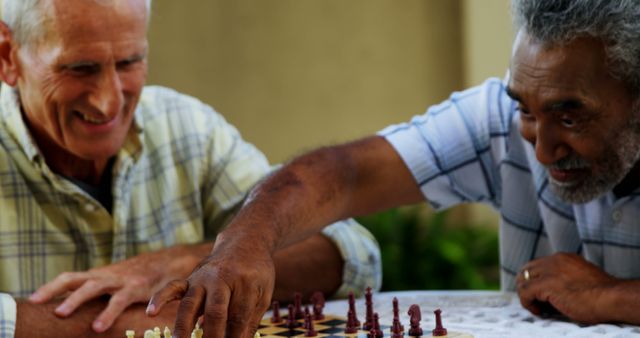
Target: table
485 314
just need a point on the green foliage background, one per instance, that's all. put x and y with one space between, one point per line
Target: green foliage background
422 252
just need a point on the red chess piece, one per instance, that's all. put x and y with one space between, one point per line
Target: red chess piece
297 303
396 313
439 331
318 305
396 331
351 327
415 317
311 332
375 331
368 320
275 309
292 323
352 308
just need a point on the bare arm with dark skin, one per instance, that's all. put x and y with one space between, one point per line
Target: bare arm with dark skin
314 190
39 321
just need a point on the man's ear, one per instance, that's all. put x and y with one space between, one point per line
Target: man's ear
9 69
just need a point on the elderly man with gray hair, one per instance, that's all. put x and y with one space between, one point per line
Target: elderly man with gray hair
554 148
110 189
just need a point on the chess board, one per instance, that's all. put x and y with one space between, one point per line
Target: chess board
332 327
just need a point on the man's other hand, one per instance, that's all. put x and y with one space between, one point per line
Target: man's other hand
232 288
130 281
573 286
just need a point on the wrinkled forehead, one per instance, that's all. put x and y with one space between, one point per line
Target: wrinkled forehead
88 20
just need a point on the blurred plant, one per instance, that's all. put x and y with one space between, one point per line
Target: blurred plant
427 252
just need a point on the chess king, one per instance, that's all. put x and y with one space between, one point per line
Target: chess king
110 189
554 147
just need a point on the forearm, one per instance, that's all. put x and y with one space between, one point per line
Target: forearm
621 302
320 188
34 320
314 264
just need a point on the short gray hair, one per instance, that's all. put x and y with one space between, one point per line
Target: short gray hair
615 22
26 18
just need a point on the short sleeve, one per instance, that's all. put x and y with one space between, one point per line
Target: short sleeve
455 149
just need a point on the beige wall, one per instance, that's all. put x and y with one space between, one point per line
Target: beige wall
297 74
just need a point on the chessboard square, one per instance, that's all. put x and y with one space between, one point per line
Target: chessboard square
334 322
332 330
272 330
290 333
320 327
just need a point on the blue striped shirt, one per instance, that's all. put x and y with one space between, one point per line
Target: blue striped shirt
469 149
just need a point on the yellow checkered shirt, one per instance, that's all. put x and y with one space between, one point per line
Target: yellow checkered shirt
181 174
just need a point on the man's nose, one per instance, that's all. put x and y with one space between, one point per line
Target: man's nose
550 148
107 96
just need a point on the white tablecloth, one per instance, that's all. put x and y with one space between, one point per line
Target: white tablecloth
484 314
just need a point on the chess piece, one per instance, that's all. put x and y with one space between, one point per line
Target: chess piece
130 333
351 327
318 305
396 331
414 319
148 334
292 323
167 332
311 332
297 303
275 309
439 331
368 320
375 331
197 331
352 308
396 313
306 310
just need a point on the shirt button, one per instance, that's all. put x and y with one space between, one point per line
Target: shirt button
89 207
617 215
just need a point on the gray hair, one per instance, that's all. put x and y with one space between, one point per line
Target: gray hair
615 22
26 18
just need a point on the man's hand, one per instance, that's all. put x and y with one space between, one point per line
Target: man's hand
573 286
130 281
232 287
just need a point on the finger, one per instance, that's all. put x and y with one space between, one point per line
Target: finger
189 311
174 290
117 304
64 282
263 305
215 313
89 290
243 307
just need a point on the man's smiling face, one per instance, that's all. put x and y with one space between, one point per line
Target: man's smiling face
581 120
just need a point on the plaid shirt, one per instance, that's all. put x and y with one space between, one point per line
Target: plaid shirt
181 174
469 149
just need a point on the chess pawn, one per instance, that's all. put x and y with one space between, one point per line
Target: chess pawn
396 330
368 322
352 308
311 332
439 331
396 313
297 303
317 299
292 323
415 317
351 327
375 331
275 310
